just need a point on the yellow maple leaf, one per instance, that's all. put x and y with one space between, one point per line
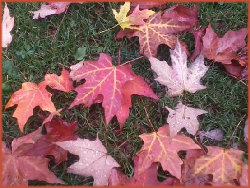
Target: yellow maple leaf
121 17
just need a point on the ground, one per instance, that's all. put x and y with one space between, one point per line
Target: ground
35 51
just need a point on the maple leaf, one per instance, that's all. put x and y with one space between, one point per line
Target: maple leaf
17 170
160 147
159 30
244 176
105 82
198 34
187 171
178 77
224 164
215 134
137 86
183 14
27 98
62 83
148 5
121 17
137 17
50 9
183 117
147 178
51 116
37 144
7 26
223 49
93 159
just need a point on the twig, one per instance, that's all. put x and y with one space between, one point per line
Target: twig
237 126
54 37
146 112
130 61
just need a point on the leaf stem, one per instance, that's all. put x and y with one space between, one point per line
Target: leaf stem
108 29
234 131
146 112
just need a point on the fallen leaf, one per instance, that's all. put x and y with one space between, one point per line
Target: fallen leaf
27 98
160 147
121 17
50 9
223 49
80 53
185 15
61 83
138 17
51 115
237 70
244 176
137 86
38 144
178 77
94 160
17 170
183 117
126 32
156 31
148 5
215 134
104 83
187 172
7 26
246 131
147 178
224 164
198 34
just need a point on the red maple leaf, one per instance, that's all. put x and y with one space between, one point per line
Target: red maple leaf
104 83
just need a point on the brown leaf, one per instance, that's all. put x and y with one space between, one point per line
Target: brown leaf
94 160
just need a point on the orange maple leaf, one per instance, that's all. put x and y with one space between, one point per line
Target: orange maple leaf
62 83
160 147
27 98
224 164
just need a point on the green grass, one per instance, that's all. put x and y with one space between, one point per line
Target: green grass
33 53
